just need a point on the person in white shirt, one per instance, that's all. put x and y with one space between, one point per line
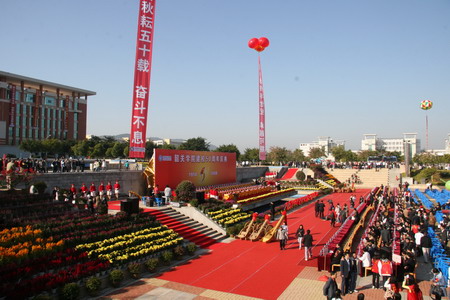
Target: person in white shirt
417 237
167 193
365 258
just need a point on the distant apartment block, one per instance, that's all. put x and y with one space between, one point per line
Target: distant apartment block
324 142
373 143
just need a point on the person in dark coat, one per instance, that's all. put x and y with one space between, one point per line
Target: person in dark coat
386 235
426 244
345 273
316 208
330 287
307 242
321 209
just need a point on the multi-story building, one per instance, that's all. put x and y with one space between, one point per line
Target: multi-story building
174 142
324 142
373 143
34 109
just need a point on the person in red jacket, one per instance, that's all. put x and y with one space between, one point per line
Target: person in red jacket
109 190
385 269
101 190
375 272
117 189
84 190
73 190
93 190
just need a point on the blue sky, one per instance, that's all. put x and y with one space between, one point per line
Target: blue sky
333 68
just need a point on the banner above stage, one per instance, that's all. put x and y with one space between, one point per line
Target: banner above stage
142 70
202 168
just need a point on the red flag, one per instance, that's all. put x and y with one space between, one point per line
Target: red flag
142 69
262 117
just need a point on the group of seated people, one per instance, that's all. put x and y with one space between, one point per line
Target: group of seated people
394 270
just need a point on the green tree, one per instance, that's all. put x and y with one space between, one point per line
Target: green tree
32 146
52 146
81 148
338 153
168 146
342 155
364 155
99 150
425 158
231 148
317 152
195 144
117 149
185 191
298 155
149 147
250 154
279 155
108 153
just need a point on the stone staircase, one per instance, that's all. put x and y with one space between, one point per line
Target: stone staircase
186 227
369 177
342 174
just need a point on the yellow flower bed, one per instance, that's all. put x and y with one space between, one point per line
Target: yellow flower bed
229 216
133 245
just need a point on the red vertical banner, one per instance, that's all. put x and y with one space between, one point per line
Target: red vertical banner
262 116
12 106
142 69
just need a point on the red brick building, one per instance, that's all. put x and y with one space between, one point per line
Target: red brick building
34 109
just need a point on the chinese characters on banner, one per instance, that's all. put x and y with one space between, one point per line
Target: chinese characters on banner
201 168
12 107
262 117
141 88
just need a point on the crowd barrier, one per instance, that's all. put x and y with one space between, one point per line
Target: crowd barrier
396 253
440 260
324 259
359 250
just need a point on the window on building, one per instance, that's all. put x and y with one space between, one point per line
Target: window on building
49 101
29 98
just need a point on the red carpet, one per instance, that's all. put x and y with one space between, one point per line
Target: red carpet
257 269
186 232
289 174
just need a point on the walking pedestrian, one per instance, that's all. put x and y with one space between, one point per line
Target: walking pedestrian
316 208
308 243
300 233
282 236
426 244
330 287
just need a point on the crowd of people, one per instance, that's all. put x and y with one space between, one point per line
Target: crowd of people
92 196
399 219
362 165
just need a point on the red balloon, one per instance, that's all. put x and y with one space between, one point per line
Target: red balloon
264 42
259 48
252 43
